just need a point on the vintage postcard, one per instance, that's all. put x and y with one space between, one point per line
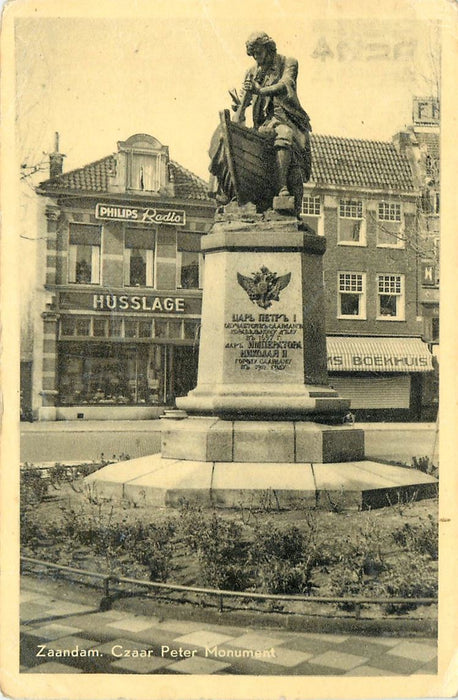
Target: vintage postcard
229 348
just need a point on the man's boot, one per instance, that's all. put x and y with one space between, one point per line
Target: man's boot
283 165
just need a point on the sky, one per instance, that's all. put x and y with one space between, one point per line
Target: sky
99 80
107 71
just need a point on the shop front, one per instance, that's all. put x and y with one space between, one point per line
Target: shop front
383 377
124 355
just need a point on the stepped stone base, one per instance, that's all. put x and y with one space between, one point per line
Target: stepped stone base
160 481
216 440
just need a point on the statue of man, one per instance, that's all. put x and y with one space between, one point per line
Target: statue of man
270 86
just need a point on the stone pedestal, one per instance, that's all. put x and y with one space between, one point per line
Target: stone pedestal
263 342
263 421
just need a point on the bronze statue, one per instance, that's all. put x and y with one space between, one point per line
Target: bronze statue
274 157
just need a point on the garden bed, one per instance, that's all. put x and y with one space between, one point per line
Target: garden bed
389 552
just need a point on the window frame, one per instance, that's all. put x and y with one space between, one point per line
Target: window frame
400 306
362 315
179 258
349 203
157 162
387 220
150 259
96 257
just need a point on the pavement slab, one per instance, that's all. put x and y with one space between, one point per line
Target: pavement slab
286 658
48 633
204 638
53 667
150 664
396 664
415 651
134 624
256 641
369 671
339 660
294 653
198 665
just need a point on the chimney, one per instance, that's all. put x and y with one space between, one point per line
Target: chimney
402 141
56 159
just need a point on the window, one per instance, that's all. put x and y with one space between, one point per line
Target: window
351 295
189 261
100 373
430 201
84 254
188 266
139 258
145 172
390 293
311 206
351 228
389 225
435 329
311 212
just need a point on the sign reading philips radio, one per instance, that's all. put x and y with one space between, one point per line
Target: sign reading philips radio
152 303
141 215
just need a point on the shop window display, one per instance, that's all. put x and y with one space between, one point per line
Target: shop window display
110 374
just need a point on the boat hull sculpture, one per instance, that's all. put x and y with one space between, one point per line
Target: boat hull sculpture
242 165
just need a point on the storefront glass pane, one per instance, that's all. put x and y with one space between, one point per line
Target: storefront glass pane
114 327
145 329
130 329
111 374
190 330
174 329
160 328
99 327
67 326
83 326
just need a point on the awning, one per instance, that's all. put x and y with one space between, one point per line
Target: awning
362 354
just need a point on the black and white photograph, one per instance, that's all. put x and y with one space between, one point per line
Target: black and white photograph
228 342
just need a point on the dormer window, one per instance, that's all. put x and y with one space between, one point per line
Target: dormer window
145 172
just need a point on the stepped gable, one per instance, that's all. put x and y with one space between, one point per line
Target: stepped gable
345 162
94 177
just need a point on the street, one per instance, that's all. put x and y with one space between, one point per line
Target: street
87 440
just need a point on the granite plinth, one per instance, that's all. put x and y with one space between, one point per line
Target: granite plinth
263 344
161 482
217 440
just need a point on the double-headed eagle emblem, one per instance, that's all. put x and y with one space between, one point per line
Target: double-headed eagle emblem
263 287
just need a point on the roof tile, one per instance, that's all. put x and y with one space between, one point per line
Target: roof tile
337 161
94 177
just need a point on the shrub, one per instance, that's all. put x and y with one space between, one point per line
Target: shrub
425 465
422 538
359 561
279 576
411 577
284 559
33 486
221 548
152 546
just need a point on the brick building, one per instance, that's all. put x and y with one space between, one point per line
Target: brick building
116 327
362 196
